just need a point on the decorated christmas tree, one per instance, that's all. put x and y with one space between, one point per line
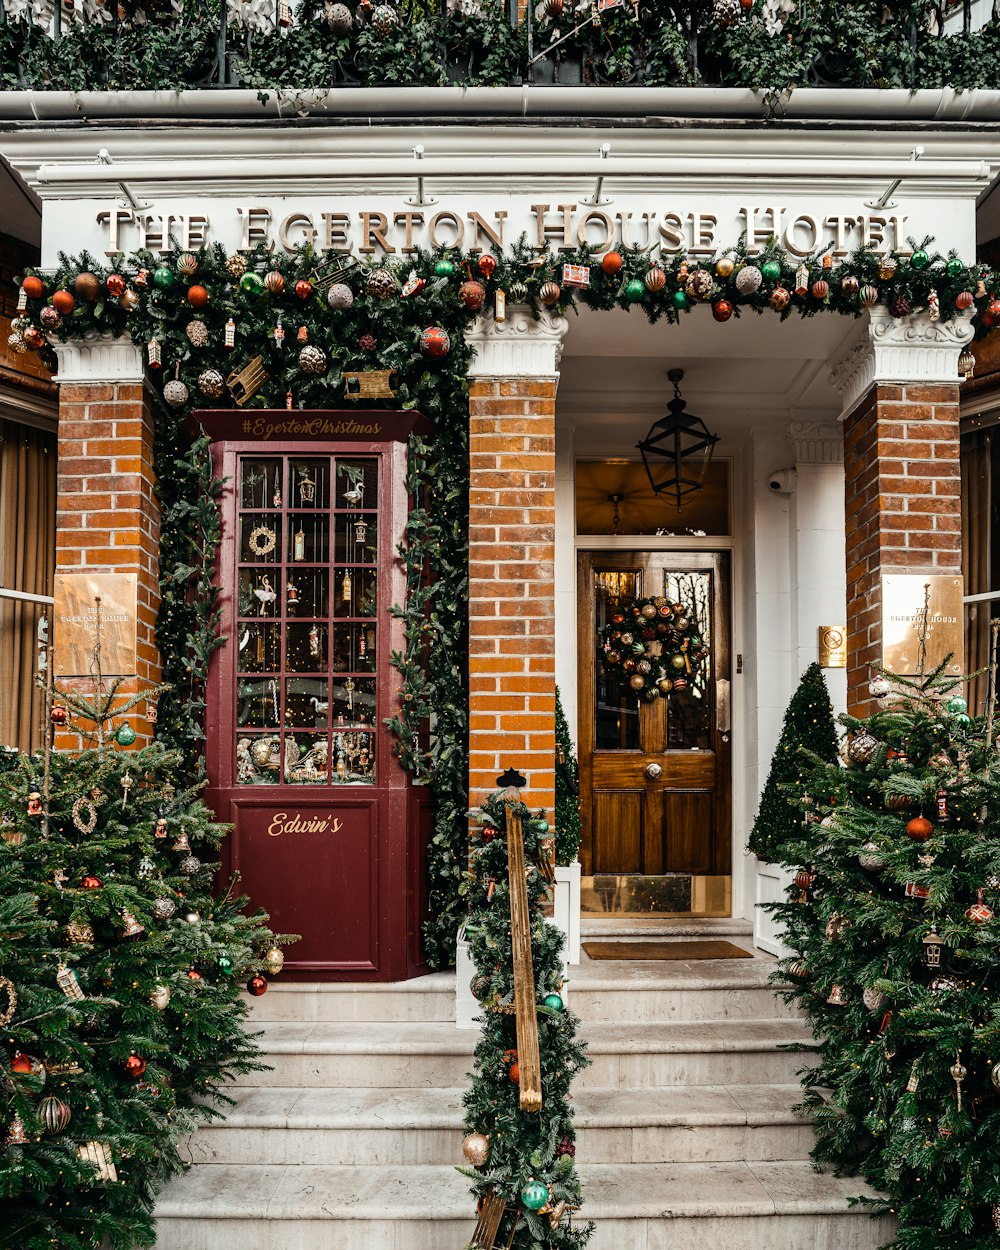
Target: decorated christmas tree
892 923
567 791
120 982
808 724
518 1121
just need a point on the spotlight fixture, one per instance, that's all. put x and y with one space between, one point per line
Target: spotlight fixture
678 449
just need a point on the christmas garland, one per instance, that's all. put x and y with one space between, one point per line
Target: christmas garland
309 321
654 646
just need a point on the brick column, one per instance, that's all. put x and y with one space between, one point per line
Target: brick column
107 515
899 381
511 554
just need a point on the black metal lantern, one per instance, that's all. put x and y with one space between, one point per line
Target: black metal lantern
678 449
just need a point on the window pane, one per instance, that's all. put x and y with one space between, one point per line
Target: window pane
616 708
689 704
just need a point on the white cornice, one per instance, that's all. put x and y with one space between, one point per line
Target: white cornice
817 442
98 359
518 347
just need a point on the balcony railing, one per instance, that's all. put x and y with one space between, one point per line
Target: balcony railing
309 44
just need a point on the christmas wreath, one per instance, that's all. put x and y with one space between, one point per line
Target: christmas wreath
655 645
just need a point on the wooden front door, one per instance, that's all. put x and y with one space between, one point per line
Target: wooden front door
655 776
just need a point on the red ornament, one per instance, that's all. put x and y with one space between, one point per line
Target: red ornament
257 985
135 1065
63 301
58 715
655 279
34 338
197 296
919 829
33 287
804 878
979 913
91 883
194 974
434 341
115 284
611 263
21 1064
303 289
963 300
472 294
722 310
820 288
780 298
550 292
514 1072
487 265
991 313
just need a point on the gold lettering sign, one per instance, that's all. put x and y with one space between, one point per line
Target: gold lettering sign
833 646
921 622
295 822
372 384
75 634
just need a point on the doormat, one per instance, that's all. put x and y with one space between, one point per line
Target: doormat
704 949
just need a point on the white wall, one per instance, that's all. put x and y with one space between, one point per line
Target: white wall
565 571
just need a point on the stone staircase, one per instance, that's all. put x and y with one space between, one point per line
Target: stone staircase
686 1138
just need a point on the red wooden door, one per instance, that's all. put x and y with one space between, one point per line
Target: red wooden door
655 777
326 829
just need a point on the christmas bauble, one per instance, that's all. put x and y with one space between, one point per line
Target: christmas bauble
655 279
664 685
799 969
804 878
90 882
554 1002
63 302
920 259
163 278
962 720
957 704
634 290
125 735
381 284
979 913
779 298
964 300
414 285
384 22
129 300
50 318
274 280
303 289
175 393
33 286
252 283
534 1195
919 829
870 858
722 310
748 279
480 986
193 974
887 266
79 932
444 267
115 285
312 359
87 286
159 997
878 687
472 294
338 18
514 1073
849 286
58 715
236 265
487 264
257 985
434 341
771 270
611 263
476 1149
163 908
699 284
367 342
868 295
135 1065
861 748
33 338
54 1115
874 999
189 865
900 306
22 1064
340 295
211 383
820 288
550 292
724 266
681 301
197 333
637 681
518 292
274 960
225 965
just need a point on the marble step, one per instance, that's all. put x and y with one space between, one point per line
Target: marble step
437 1055
641 1206
422 1126
428 998
594 927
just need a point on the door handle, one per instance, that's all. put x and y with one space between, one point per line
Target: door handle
654 771
723 713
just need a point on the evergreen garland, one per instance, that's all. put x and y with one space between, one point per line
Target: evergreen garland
892 921
808 727
567 791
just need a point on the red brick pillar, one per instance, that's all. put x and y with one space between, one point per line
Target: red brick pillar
901 468
511 555
107 515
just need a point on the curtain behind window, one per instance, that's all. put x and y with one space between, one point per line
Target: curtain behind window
27 562
977 481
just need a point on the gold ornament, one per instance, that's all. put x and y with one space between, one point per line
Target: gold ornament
17 1134
132 927
84 814
274 960
7 1014
476 1148
263 540
99 1154
159 996
79 932
67 982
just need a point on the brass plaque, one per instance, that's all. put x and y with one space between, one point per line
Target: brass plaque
76 615
921 622
833 646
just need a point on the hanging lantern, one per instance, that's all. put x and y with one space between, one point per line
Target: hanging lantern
678 449
933 947
360 531
967 365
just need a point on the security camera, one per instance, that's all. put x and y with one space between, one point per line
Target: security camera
782 481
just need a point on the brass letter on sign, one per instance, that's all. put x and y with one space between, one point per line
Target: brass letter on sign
76 596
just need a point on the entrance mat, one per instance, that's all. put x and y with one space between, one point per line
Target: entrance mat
705 949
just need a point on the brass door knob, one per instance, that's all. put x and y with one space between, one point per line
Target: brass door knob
653 771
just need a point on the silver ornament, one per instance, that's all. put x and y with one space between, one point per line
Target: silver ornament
274 960
17 344
861 748
189 865
878 687
175 393
159 996
211 383
340 295
312 359
338 18
384 21
870 857
874 999
726 12
192 917
163 908
197 333
748 279
381 284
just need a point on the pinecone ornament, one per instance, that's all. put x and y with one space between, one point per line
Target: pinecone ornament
367 342
900 306
312 359
211 383
197 333
17 344
384 20
381 283
236 265
725 12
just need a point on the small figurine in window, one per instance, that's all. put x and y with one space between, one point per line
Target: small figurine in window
266 594
307 488
292 595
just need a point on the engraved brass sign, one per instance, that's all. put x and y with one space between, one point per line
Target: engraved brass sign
921 622
76 614
833 646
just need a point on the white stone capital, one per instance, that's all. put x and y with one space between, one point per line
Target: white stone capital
899 350
518 347
817 442
98 358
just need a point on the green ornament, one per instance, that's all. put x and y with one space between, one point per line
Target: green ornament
771 270
535 1194
695 640
226 965
444 267
920 259
954 267
518 292
635 290
957 704
963 720
681 301
554 1002
163 278
252 283
638 648
541 826
125 735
